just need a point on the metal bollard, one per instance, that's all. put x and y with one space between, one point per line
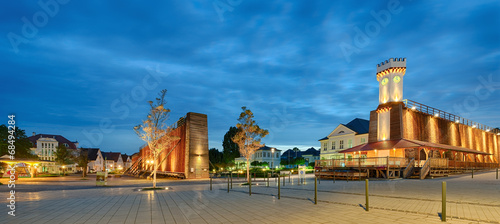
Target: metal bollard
284 181
334 176
227 185
366 193
319 180
472 172
443 208
250 186
279 188
231 180
210 183
315 190
497 173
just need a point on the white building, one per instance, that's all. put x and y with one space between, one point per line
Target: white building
265 154
343 137
113 161
95 160
45 147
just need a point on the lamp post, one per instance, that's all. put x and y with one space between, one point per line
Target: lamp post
272 159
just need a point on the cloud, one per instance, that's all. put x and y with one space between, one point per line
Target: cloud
270 56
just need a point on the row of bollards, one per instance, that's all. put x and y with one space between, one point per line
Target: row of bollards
318 181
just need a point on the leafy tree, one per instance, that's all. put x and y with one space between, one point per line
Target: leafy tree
22 143
63 155
155 131
230 149
83 161
248 136
296 150
215 157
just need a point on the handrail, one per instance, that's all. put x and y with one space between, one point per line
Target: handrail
425 169
448 116
409 168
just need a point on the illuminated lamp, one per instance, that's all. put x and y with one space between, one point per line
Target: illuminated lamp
436 115
474 126
457 121
487 130
414 107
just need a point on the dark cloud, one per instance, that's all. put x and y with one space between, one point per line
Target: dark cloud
281 59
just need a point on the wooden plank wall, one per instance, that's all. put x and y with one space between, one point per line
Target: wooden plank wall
372 132
197 147
424 127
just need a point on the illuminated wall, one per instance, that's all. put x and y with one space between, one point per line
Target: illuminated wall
384 124
189 155
390 77
424 127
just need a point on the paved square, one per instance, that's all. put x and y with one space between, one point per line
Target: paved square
395 201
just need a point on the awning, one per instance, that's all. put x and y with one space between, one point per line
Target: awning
405 143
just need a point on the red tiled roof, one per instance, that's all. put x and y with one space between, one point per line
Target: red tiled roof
405 143
58 138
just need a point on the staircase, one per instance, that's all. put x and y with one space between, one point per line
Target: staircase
409 169
425 169
134 169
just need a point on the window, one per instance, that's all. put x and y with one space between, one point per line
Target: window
333 145
340 132
349 143
363 140
325 146
341 144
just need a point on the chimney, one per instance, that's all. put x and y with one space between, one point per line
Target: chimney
34 133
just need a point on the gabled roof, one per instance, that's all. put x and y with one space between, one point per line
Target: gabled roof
267 148
311 151
291 153
124 157
58 138
91 153
111 156
360 126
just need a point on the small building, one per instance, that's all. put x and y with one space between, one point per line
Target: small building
95 159
344 136
310 156
114 161
127 161
265 154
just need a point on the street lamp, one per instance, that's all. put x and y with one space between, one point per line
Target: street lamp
272 159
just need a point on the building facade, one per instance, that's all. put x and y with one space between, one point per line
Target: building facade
45 147
265 154
344 136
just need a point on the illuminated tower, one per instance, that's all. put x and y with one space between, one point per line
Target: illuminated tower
390 77
386 121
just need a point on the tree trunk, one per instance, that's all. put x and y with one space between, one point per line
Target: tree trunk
154 174
248 171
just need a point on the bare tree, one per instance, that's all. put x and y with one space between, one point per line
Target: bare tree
248 136
155 131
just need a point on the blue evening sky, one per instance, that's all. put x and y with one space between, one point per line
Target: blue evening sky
85 69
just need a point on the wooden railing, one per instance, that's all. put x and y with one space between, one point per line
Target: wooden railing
447 116
425 169
409 168
362 162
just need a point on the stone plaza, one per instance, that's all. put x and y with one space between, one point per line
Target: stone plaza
73 200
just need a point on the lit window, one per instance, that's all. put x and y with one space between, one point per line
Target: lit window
341 144
333 145
363 140
349 143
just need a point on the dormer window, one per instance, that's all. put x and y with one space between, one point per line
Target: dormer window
340 132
